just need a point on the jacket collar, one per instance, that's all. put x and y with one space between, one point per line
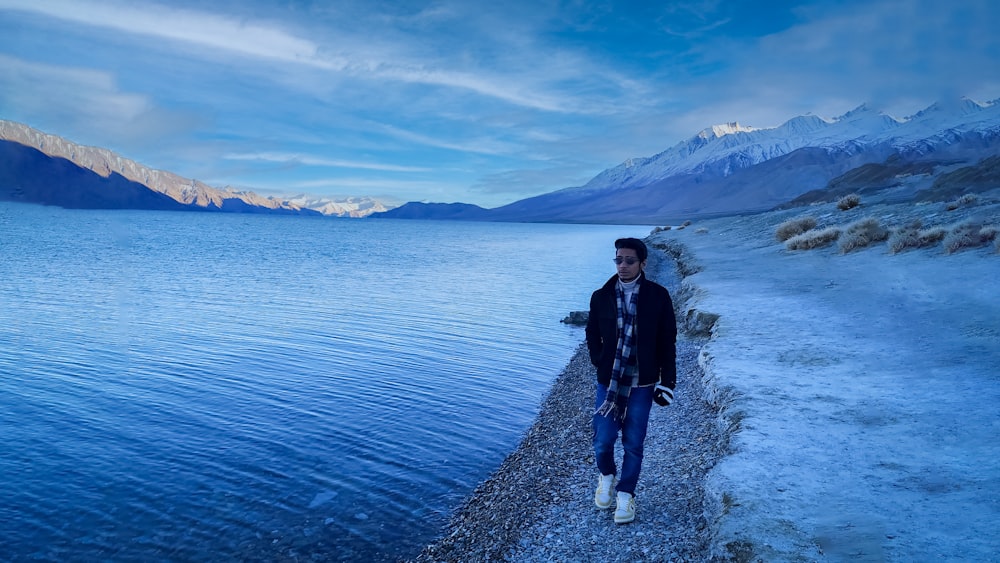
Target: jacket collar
610 284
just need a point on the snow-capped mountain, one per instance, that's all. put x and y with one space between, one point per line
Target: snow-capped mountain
725 149
346 207
733 168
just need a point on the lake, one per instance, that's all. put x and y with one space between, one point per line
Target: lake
204 386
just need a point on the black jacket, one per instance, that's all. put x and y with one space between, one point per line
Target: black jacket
655 333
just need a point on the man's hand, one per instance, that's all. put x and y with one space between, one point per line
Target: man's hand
663 395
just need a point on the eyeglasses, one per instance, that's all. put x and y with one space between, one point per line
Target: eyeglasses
627 259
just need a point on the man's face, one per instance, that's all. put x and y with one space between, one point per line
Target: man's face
628 264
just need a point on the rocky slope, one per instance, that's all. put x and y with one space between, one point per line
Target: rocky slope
122 184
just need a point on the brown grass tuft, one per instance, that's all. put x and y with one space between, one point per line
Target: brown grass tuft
862 233
813 239
849 201
794 227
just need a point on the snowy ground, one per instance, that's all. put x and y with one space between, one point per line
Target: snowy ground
865 388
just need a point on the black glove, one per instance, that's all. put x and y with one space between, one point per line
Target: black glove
663 395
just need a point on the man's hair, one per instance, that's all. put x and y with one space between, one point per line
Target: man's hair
635 244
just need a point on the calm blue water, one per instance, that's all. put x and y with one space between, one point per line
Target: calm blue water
184 386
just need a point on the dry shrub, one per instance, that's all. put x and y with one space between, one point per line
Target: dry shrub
903 238
969 234
912 236
991 233
849 201
794 227
862 233
932 236
966 200
813 239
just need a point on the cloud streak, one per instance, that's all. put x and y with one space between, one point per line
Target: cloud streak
305 160
203 29
38 88
267 41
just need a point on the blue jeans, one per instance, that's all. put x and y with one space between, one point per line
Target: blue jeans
633 432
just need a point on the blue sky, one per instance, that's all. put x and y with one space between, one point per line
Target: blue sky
464 100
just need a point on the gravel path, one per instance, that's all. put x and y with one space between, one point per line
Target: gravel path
539 506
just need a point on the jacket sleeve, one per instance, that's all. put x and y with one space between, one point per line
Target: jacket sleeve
594 342
668 344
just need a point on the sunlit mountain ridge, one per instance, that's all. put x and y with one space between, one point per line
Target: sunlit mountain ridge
37 167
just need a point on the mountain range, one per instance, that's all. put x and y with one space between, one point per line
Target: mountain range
36 167
943 151
947 149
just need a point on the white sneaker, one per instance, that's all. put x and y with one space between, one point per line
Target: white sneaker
625 511
605 488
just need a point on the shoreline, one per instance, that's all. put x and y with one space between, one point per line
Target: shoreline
538 505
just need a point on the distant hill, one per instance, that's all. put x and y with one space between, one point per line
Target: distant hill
31 176
416 210
36 167
980 177
732 168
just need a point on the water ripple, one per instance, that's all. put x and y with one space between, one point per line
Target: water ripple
196 387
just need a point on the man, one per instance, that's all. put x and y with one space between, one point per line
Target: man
632 339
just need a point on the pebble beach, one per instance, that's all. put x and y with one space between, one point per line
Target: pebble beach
538 506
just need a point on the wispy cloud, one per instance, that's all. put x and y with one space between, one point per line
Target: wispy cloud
40 87
88 104
692 20
476 145
493 87
306 160
366 57
196 27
